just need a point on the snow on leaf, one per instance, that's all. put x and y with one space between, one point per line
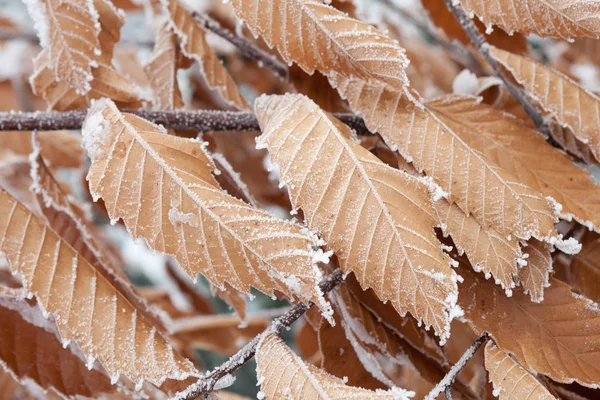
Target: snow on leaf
318 37
87 308
162 71
193 45
565 19
478 186
284 375
558 337
162 188
377 219
572 106
510 380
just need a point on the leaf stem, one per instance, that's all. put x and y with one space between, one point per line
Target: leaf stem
483 47
204 386
448 380
200 120
244 46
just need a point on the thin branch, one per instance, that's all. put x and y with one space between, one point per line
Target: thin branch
448 380
483 47
448 393
245 47
200 120
206 384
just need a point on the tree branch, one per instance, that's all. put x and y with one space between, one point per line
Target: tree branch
448 380
200 120
205 385
483 47
245 47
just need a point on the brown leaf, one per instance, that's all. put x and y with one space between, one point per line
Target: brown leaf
105 325
564 19
318 37
478 186
162 71
558 337
583 273
378 220
571 105
60 148
535 275
194 46
284 375
511 381
162 188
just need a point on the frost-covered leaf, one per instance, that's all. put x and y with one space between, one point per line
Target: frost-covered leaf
571 105
510 380
68 220
478 186
564 19
282 374
488 251
525 154
162 188
32 352
583 273
87 308
73 44
535 275
316 36
377 219
162 71
558 337
194 46
60 148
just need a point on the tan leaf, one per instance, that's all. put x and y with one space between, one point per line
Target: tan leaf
194 46
32 351
162 188
66 218
558 337
162 71
525 154
535 275
378 220
284 375
487 250
555 18
570 104
511 381
105 325
73 42
111 21
478 186
583 273
235 299
221 333
60 148
318 37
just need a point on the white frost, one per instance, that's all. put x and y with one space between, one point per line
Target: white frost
465 83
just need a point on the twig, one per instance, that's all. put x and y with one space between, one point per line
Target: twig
448 380
448 393
482 45
245 47
205 385
200 120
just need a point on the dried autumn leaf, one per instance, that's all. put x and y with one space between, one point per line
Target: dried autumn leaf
60 148
194 46
478 186
564 19
526 155
284 375
558 337
583 273
535 275
105 325
570 104
511 381
73 44
31 350
162 188
379 220
162 71
318 37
